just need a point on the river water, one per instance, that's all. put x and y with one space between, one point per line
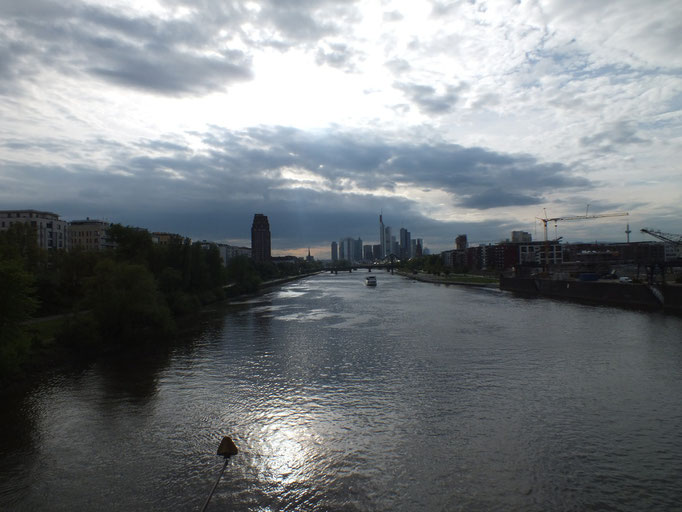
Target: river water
408 396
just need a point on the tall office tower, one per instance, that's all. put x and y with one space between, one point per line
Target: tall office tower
405 243
342 251
395 246
357 249
367 253
413 248
348 250
420 248
387 241
461 243
260 238
376 251
335 251
382 236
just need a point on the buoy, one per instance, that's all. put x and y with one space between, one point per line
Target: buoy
227 449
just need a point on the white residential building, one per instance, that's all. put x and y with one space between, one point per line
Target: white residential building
51 232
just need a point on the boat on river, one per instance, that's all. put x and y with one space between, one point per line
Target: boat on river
370 281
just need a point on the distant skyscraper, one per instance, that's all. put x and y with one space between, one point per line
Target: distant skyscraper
387 241
382 236
260 238
461 243
335 251
357 249
405 243
521 237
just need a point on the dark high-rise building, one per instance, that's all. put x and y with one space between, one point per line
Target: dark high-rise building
461 243
335 251
405 244
260 238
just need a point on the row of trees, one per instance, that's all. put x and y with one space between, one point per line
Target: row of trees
129 295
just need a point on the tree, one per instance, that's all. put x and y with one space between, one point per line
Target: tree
20 242
126 303
17 303
132 244
242 273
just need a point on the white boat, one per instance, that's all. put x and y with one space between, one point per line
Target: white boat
370 281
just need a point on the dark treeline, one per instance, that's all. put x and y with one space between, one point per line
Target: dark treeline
129 295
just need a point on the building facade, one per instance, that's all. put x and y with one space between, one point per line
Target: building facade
52 233
90 235
335 251
260 239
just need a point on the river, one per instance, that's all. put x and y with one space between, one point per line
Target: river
408 396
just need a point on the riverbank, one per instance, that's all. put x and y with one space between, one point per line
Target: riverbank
454 279
44 352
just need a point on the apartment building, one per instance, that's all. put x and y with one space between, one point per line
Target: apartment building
90 235
52 233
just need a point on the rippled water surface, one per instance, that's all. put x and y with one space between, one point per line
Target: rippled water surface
407 396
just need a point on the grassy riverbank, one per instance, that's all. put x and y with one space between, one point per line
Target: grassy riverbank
63 340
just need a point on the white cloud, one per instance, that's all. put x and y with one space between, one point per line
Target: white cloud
136 89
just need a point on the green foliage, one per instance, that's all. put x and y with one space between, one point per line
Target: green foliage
20 242
127 304
61 287
80 333
242 273
17 303
132 244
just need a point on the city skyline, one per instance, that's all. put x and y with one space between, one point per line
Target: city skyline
449 117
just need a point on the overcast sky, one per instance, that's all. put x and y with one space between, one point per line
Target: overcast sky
451 117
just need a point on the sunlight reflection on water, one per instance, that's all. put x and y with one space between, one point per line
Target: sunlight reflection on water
339 397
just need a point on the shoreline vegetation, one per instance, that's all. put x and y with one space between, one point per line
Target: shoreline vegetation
58 307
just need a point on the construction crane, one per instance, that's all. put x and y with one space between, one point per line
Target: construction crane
666 237
545 220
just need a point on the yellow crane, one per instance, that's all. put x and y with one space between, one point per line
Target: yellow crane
545 220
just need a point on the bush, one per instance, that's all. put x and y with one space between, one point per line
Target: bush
79 333
126 303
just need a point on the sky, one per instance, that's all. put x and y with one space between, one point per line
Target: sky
449 117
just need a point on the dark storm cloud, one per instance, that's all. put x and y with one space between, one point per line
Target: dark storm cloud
163 56
165 185
200 53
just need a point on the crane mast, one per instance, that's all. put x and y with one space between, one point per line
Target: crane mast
545 220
